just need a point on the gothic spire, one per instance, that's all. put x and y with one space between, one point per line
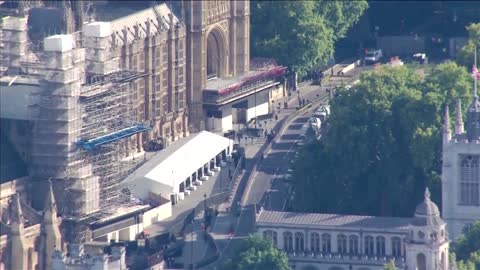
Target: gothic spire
18 248
16 214
447 133
50 211
458 118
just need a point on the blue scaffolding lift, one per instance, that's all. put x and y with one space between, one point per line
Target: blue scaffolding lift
112 137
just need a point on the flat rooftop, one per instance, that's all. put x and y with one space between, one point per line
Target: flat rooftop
218 84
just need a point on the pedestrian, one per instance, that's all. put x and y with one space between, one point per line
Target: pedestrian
266 133
276 117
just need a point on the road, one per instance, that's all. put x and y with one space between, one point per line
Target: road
268 188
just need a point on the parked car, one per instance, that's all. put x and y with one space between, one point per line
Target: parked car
373 56
322 113
315 122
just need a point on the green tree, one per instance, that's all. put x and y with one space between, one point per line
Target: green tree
469 242
257 253
300 34
465 55
390 266
383 142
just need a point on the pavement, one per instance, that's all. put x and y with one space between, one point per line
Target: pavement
215 184
268 189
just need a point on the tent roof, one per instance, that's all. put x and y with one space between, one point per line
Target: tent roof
181 159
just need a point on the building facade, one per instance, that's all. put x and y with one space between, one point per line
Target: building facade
336 242
461 168
87 84
27 237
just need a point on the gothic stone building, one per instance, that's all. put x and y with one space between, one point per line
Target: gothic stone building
348 242
79 74
27 238
461 168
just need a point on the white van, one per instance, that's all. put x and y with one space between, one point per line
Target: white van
373 57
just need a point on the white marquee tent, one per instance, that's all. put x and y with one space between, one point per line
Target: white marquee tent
164 173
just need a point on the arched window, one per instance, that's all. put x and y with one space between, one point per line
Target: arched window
353 244
396 247
380 246
342 244
470 180
326 243
421 262
287 241
272 235
299 241
369 245
315 242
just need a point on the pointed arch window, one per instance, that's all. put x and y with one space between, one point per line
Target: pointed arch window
369 245
396 247
380 246
299 242
326 243
470 180
342 244
272 235
353 244
287 241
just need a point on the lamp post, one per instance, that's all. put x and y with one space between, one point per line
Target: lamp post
205 204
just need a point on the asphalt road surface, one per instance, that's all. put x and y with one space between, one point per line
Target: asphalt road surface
269 188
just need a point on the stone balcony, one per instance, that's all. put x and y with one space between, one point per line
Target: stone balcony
214 98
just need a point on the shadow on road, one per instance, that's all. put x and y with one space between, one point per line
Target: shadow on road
282 146
301 120
290 137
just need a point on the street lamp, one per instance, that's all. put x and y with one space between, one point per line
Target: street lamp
205 201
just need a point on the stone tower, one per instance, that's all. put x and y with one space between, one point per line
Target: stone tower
461 169
218 40
427 245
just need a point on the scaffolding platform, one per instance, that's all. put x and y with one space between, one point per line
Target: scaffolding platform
112 137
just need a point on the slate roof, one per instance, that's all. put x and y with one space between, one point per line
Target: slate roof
332 220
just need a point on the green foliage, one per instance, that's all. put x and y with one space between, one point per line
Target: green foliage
471 263
390 266
469 242
465 56
257 253
383 143
301 34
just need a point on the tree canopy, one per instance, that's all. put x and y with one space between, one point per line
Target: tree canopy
468 242
301 34
383 144
465 55
257 253
467 248
390 266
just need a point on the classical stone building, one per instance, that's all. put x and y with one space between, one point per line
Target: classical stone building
348 242
461 168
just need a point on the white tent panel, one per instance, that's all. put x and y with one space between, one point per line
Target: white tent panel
182 163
